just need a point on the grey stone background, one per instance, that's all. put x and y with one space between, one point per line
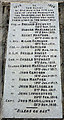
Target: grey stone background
4 23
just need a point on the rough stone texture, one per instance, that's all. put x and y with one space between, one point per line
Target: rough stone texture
4 22
61 18
0 56
30 0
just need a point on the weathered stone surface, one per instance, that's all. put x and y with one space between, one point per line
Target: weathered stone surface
29 0
12 113
5 28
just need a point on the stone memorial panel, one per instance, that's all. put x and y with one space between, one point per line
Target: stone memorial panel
32 86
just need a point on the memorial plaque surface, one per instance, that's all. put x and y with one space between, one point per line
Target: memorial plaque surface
32 86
